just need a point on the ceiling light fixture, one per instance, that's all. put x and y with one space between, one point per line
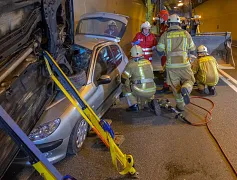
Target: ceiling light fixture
180 4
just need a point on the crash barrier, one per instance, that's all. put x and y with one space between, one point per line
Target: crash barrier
99 126
218 45
37 159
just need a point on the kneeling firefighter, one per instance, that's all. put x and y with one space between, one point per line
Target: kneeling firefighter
138 79
205 69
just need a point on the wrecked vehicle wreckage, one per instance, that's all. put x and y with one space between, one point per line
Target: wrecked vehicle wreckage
25 86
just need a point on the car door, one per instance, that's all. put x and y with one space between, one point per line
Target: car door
105 65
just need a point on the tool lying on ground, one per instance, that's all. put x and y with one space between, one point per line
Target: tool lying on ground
37 159
101 127
165 104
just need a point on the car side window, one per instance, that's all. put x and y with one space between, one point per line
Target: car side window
107 57
100 68
117 54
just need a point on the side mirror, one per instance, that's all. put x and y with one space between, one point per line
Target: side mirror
104 79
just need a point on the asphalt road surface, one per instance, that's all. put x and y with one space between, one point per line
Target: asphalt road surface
163 147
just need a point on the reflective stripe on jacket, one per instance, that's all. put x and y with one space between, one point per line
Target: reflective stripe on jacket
137 71
206 70
176 43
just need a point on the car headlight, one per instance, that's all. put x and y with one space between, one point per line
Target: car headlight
44 130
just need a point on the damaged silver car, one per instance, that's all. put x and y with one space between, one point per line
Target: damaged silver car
96 62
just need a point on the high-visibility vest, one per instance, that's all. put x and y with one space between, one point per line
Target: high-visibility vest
176 43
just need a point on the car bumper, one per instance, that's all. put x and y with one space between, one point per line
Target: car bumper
53 151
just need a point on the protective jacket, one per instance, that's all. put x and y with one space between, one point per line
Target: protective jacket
163 28
176 43
206 70
138 78
146 42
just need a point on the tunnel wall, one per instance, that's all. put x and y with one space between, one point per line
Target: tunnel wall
135 9
218 15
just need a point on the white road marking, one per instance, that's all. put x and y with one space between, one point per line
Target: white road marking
232 86
228 76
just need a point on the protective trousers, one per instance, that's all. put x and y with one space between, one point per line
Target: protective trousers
143 92
201 86
179 78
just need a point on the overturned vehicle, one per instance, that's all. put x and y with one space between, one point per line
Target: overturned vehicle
94 63
25 87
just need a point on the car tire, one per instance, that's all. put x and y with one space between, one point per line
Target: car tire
77 137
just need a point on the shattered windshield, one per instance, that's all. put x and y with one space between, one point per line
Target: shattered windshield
81 59
101 27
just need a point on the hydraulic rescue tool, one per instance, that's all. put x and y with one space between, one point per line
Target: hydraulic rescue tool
100 127
165 104
37 159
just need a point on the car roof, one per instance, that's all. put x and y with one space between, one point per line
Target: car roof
113 16
89 42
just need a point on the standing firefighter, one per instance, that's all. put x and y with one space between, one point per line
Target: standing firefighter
146 40
177 43
138 79
205 70
164 15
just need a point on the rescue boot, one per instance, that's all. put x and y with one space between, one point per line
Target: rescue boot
185 95
212 90
133 108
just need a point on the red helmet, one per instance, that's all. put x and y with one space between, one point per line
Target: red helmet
164 14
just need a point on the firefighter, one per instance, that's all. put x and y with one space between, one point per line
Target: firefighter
176 43
164 15
146 40
112 29
138 79
205 69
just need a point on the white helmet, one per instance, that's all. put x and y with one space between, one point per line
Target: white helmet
174 18
146 25
112 23
202 49
136 51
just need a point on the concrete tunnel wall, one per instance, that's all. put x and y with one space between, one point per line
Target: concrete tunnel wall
135 9
218 16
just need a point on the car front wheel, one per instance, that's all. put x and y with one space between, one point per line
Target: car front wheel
77 137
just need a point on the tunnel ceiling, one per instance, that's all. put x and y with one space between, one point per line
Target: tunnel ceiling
197 2
173 3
